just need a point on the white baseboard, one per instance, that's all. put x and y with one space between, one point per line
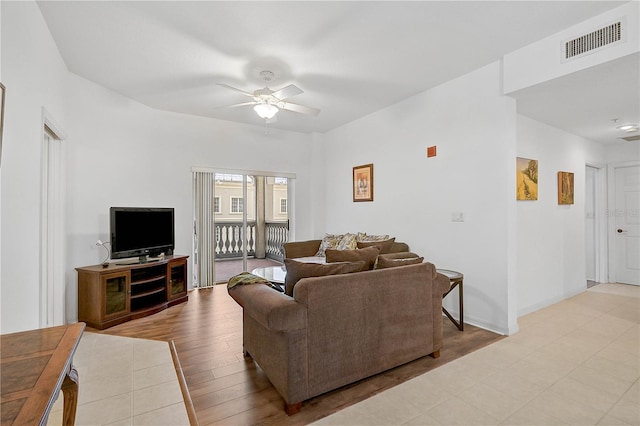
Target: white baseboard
548 302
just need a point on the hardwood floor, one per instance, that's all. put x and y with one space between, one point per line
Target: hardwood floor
227 389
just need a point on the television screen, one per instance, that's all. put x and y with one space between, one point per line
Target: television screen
141 231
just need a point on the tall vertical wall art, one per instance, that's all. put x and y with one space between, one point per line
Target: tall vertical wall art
526 179
565 188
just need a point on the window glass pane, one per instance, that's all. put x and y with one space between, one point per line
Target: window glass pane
237 205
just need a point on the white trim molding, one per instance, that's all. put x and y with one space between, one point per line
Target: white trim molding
52 224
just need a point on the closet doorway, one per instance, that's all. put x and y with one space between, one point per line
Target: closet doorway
596 255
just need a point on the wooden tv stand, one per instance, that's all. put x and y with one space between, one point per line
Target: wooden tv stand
111 295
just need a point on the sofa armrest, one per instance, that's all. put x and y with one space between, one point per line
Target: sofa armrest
441 284
272 309
297 249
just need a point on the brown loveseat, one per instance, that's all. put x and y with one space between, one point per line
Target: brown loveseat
338 329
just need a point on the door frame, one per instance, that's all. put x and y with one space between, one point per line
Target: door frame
600 233
52 257
291 178
611 213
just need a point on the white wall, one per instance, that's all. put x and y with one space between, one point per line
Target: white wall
121 152
124 153
543 60
551 237
473 127
623 151
0 175
118 152
35 77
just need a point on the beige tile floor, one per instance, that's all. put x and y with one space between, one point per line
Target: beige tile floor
125 381
574 363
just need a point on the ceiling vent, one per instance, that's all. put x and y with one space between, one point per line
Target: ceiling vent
594 40
632 138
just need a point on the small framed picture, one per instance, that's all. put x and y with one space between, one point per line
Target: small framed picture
363 183
565 188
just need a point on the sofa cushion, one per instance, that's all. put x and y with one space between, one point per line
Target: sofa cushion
384 245
299 270
399 255
392 260
294 249
368 255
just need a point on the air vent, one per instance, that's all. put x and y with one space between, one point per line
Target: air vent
594 40
632 138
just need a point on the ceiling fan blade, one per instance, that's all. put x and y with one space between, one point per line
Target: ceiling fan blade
298 108
237 90
239 105
287 92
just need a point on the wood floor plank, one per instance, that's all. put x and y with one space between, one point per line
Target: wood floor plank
227 388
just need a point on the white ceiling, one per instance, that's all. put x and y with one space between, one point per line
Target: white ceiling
349 58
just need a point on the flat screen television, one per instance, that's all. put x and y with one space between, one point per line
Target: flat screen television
141 232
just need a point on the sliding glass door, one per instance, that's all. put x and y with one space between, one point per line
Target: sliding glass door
241 221
235 223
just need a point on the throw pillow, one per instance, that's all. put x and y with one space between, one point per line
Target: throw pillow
298 270
384 246
329 241
348 242
386 262
362 236
369 255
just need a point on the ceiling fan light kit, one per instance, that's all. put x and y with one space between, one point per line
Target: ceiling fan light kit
266 111
267 103
628 127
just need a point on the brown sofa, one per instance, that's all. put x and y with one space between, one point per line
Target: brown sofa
338 329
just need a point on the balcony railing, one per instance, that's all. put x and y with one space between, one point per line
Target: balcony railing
277 233
229 241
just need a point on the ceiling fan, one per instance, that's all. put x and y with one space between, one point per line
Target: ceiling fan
267 103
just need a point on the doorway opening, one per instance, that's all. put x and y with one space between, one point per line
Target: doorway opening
52 228
595 225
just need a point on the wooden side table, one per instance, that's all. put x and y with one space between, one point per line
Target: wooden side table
455 279
36 365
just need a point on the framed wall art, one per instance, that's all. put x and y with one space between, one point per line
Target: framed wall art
363 183
526 179
565 188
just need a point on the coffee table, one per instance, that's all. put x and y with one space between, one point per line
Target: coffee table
274 274
455 280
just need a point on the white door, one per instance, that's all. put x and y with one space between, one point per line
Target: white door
627 225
